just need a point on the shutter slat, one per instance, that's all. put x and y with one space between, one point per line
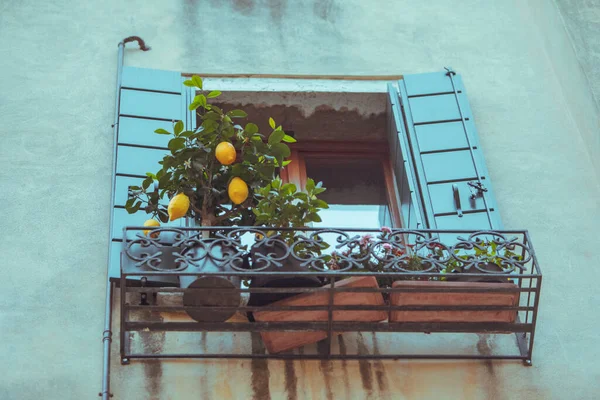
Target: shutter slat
444 136
138 160
448 166
445 147
137 131
151 79
425 84
151 105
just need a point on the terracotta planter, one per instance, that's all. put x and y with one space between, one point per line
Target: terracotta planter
454 299
290 264
276 342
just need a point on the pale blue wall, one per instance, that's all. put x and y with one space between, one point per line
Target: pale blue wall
533 109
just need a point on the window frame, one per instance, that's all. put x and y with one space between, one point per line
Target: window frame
295 172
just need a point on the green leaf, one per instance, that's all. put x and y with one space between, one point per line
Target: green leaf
186 134
288 188
289 139
188 83
163 216
197 81
135 188
237 114
272 123
213 94
200 99
276 137
161 131
286 163
147 182
193 106
178 127
281 149
136 207
129 203
321 204
164 180
319 190
314 217
176 144
251 128
150 175
310 185
276 183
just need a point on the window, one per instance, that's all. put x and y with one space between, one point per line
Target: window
358 178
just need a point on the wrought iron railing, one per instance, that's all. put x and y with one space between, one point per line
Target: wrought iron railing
248 279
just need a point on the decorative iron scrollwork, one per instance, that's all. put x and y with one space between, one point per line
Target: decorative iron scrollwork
327 250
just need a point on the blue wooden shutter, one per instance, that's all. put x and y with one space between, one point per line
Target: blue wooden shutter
448 160
150 99
402 164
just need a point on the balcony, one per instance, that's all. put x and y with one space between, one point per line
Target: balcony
310 285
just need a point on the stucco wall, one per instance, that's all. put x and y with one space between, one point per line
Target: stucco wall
58 68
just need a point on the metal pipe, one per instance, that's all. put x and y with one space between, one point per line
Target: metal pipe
107 333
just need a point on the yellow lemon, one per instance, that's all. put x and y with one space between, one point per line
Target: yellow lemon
151 222
178 206
225 153
238 190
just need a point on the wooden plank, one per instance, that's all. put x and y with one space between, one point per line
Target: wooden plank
454 299
276 342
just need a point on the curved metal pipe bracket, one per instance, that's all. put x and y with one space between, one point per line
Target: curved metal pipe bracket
138 39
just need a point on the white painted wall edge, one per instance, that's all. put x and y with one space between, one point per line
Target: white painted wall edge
295 85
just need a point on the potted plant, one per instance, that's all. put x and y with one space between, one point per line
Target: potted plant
276 342
282 205
472 256
210 177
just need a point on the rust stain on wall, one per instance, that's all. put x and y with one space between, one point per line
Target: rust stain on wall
260 370
326 368
244 7
291 381
152 343
491 383
342 346
325 9
380 377
276 8
364 367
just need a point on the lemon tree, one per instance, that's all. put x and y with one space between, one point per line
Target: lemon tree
218 166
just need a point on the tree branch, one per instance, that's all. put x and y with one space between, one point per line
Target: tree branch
231 212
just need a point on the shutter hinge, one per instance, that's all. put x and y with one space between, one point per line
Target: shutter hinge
477 189
450 71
